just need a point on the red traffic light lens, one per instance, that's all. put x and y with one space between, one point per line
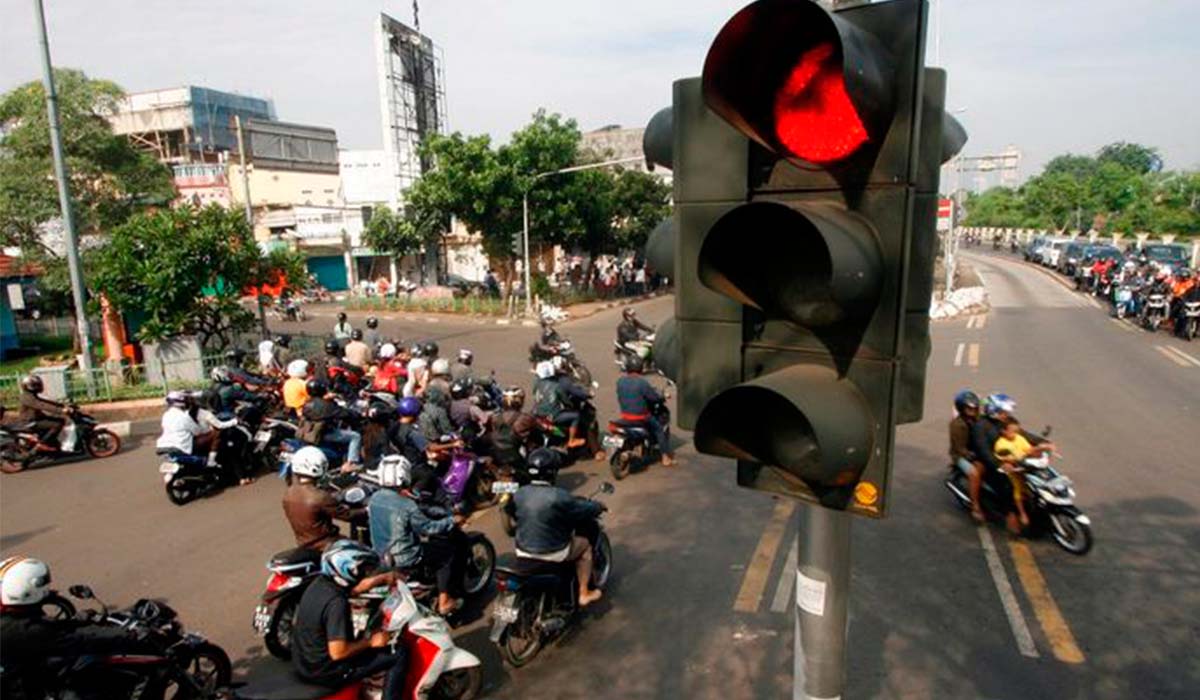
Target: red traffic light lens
814 117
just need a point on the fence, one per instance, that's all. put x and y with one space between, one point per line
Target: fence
54 326
129 382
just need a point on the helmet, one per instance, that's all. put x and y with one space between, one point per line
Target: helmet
410 407
430 349
559 363
23 581
395 472
460 389
417 364
1185 273
348 562
629 314
235 355
333 348
542 464
544 369
316 387
283 340
440 367
633 363
416 350
998 403
221 375
387 351
465 356
297 368
372 322
309 461
341 317
32 383
513 397
1130 265
966 399
179 399
356 334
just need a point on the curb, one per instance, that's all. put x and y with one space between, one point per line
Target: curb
497 321
125 428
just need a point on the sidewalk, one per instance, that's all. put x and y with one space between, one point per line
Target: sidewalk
125 418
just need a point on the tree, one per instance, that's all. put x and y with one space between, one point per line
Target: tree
394 235
640 202
1133 156
185 270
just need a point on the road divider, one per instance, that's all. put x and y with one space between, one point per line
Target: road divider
1178 356
1008 599
1054 625
754 582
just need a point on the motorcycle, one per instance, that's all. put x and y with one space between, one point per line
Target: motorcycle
556 436
643 348
80 438
632 442
436 667
268 441
537 600
163 659
1154 311
1050 503
1123 301
187 477
466 479
289 310
1190 320
290 573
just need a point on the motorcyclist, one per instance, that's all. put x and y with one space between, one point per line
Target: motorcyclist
228 391
342 375
556 397
235 361
371 337
48 417
356 352
513 430
412 540
207 411
319 423
551 522
430 351
405 435
546 345
439 375
630 329
435 418
392 371
468 419
418 374
462 366
1185 282
295 393
997 409
29 639
324 649
183 432
342 329
966 406
637 399
309 509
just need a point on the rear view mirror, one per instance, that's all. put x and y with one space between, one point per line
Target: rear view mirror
81 592
355 495
1046 431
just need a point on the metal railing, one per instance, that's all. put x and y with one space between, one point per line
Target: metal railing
130 381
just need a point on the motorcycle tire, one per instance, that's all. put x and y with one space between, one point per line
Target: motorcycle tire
208 668
1070 534
601 561
480 565
278 638
1190 332
103 443
458 684
11 464
523 639
56 607
179 495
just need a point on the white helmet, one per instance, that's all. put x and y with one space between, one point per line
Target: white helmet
23 581
387 351
395 472
309 461
544 369
298 369
441 367
416 364
559 363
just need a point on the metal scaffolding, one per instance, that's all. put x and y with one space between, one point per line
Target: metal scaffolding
413 95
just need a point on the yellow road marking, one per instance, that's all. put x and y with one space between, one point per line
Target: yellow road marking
755 580
1172 357
1062 642
973 355
979 321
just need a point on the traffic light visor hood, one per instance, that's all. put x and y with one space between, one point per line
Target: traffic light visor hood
800 81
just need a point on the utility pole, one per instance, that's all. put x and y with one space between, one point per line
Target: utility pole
64 199
241 141
525 212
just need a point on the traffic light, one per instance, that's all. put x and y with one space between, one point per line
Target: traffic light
798 182
518 244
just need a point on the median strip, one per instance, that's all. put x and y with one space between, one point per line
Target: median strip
1062 642
755 580
1012 610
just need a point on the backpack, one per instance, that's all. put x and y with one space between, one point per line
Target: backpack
546 401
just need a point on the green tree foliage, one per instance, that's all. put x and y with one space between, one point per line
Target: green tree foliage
392 234
1121 189
641 202
185 270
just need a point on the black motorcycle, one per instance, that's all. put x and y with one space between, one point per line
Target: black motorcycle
80 438
556 436
187 477
633 443
537 600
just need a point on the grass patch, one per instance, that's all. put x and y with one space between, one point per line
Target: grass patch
33 348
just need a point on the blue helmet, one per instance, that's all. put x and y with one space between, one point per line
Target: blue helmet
999 403
348 562
410 407
965 399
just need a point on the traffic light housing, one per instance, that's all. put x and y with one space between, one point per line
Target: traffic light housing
799 184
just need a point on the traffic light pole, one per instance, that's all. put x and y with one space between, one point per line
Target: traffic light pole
822 599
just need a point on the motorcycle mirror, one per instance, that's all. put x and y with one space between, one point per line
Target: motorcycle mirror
1046 431
595 384
81 592
607 487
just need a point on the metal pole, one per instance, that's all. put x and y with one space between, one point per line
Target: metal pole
822 599
262 312
937 35
64 199
525 246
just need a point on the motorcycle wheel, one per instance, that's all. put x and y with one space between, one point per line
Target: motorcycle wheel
103 443
179 494
459 684
1190 331
601 561
619 463
523 640
208 669
278 638
1070 534
56 607
480 565
12 463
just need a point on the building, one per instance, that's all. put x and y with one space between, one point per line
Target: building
368 178
615 143
186 124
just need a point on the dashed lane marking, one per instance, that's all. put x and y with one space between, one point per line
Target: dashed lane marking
979 322
754 582
1189 359
1172 357
958 354
1016 620
973 355
1058 632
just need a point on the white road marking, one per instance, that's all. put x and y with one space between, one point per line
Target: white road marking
1185 356
1016 620
958 354
973 355
971 322
783 592
1123 325
979 321
1172 357
1094 303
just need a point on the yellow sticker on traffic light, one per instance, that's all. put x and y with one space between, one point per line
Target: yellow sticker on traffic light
866 493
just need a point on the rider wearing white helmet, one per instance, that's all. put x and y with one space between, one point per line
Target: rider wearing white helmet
309 509
558 398
295 395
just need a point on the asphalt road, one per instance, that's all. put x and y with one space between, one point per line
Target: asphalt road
700 604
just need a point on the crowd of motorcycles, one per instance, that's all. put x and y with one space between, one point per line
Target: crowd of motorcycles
534 604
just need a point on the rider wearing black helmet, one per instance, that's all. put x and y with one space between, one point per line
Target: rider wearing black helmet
342 329
551 522
235 359
637 399
319 422
465 414
429 351
513 430
966 406
372 337
48 417
630 329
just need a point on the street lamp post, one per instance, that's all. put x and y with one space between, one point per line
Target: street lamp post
525 213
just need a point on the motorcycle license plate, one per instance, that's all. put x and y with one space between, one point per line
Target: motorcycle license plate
505 611
262 620
501 487
262 436
613 441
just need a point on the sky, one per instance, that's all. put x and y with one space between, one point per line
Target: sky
1050 76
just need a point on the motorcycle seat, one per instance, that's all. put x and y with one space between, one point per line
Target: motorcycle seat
525 568
620 425
297 555
184 458
285 686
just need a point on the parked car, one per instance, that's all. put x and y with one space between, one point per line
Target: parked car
1167 254
1053 251
1072 255
1031 251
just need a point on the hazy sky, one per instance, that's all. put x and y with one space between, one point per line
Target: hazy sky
1049 76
